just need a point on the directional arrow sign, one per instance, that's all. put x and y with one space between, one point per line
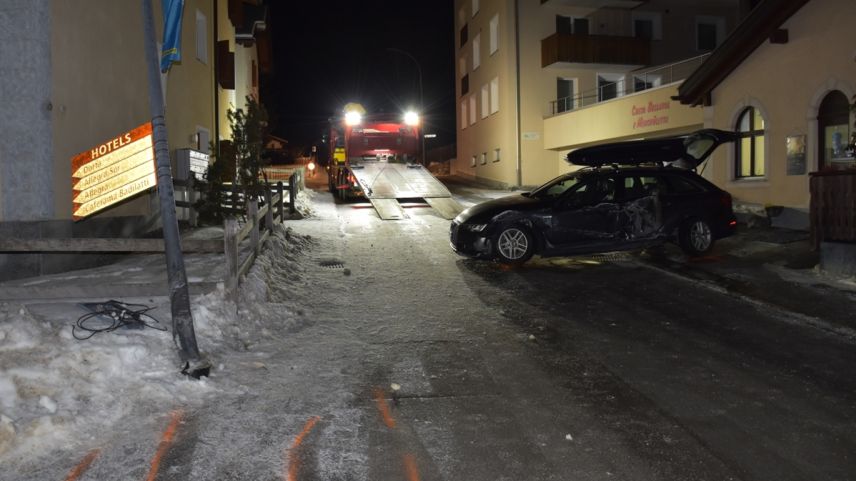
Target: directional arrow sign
113 171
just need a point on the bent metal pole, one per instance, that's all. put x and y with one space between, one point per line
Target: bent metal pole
179 298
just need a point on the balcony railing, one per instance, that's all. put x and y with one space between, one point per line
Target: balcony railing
635 81
607 49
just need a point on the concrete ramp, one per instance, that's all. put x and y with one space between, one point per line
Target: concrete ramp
447 207
388 209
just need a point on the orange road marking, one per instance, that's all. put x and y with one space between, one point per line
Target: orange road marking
81 468
291 452
165 443
410 467
384 409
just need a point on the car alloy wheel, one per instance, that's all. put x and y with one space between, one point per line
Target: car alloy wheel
696 237
514 244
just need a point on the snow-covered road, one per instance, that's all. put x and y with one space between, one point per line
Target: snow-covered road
366 350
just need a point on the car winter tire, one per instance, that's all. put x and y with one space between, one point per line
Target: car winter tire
695 237
514 245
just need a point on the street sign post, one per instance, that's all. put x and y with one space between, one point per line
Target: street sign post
179 296
112 172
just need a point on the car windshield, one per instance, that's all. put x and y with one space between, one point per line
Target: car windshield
556 187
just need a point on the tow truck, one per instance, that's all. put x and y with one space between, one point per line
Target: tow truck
376 157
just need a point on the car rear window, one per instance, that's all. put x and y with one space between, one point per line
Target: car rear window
664 184
682 185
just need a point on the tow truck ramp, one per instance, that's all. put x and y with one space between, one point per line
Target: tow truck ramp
383 183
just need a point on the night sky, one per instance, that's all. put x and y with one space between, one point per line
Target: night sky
329 53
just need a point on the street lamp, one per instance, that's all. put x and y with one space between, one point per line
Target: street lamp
421 99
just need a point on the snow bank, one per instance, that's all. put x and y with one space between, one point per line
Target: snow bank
56 390
53 386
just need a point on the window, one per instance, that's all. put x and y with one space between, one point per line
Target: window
645 82
473 161
496 155
647 25
709 32
494 95
667 184
494 34
563 25
475 7
465 84
485 100
565 90
833 123
681 185
609 86
464 35
484 158
643 29
463 114
570 25
476 51
592 190
472 109
749 148
201 37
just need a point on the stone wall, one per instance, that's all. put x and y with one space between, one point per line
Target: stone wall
26 167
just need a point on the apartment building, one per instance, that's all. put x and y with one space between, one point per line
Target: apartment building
779 72
74 76
537 78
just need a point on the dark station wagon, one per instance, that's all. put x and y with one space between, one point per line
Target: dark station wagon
628 195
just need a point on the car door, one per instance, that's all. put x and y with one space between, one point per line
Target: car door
640 216
585 215
680 198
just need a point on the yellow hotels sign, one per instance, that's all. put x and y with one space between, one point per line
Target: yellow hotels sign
113 171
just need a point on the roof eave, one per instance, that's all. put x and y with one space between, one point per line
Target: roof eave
756 28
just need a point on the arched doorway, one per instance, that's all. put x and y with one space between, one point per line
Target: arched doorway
833 122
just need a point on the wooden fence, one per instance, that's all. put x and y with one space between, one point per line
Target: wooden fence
271 212
833 206
233 201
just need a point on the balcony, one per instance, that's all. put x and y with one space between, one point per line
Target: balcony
595 49
632 82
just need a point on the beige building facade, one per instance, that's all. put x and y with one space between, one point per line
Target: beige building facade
536 79
75 77
796 88
781 73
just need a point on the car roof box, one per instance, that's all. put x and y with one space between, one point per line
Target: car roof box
685 150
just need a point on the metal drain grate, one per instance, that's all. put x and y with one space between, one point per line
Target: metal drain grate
608 257
332 264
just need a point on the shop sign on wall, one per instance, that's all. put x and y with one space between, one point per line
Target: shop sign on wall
653 114
113 171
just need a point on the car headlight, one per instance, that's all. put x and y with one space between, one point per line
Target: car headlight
475 227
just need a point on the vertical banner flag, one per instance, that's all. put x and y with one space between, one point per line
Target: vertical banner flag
171 52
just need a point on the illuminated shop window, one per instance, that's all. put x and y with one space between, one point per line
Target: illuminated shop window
750 155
